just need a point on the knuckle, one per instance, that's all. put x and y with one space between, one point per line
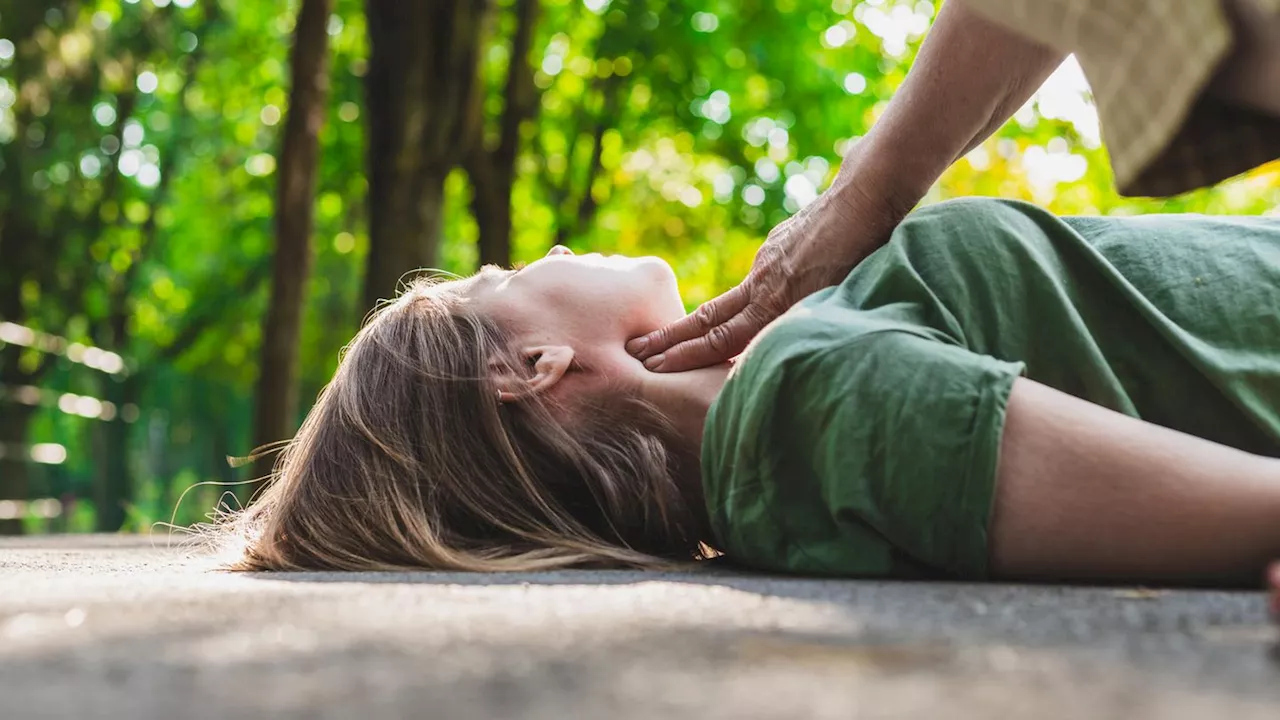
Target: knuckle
771 251
777 303
768 266
720 340
705 317
763 314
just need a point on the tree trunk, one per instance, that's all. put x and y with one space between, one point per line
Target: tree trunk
25 253
14 422
491 205
277 395
493 171
405 223
423 67
19 246
115 490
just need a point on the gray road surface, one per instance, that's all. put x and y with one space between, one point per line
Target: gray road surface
110 627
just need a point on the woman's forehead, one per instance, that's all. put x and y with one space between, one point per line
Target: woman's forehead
479 287
491 273
489 277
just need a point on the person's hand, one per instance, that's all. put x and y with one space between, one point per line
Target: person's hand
813 249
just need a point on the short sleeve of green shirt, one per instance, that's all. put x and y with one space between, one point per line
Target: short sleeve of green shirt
885 444
859 435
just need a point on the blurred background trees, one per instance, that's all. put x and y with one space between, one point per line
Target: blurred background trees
199 199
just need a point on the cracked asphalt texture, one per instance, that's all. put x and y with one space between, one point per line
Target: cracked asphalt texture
121 627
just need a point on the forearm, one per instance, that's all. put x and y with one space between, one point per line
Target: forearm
1086 493
970 76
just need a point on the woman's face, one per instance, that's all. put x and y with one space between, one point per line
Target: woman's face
583 301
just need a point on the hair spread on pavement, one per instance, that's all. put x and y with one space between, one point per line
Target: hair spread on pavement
407 460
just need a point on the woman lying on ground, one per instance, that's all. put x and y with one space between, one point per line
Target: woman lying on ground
997 393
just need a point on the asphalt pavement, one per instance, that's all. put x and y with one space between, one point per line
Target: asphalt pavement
124 627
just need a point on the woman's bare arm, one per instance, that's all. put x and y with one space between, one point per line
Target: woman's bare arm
1087 493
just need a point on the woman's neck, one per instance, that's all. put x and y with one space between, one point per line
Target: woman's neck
684 399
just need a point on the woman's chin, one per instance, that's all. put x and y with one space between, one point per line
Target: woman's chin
665 289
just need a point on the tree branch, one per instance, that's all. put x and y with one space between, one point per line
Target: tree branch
605 119
557 192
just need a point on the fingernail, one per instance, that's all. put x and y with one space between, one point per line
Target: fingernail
637 346
654 362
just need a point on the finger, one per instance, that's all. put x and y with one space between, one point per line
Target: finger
718 345
696 324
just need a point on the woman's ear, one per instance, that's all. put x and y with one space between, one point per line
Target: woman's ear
549 363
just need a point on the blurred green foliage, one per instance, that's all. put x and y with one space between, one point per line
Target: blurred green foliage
715 120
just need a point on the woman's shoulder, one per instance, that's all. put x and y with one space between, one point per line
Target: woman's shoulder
823 322
985 214
973 223
815 344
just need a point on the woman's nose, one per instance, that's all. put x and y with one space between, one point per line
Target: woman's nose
559 250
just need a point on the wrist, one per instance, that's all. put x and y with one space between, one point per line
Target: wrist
875 189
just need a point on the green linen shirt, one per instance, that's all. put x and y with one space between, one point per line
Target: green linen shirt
859 434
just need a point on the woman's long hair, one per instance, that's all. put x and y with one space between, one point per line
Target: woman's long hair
407 460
